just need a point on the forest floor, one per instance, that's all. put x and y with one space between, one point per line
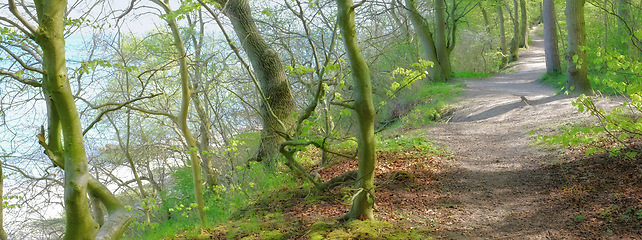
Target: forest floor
494 182
499 184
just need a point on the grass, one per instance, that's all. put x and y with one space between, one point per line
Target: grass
598 82
255 181
471 75
431 104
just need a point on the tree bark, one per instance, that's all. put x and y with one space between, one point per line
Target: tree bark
3 235
502 35
273 80
363 201
436 72
523 25
65 145
485 16
577 72
79 222
550 37
441 45
514 43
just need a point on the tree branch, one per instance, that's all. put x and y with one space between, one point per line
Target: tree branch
30 82
100 116
14 10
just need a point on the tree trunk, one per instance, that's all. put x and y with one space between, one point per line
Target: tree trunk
273 80
523 25
502 35
3 235
67 150
577 72
205 149
436 72
514 43
550 37
485 15
441 45
181 120
623 47
79 222
363 201
402 24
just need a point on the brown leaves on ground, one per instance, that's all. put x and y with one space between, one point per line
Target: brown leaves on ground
599 196
405 190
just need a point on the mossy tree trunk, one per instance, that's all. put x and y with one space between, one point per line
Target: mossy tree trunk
550 37
65 143
363 201
523 25
277 108
502 35
514 43
577 72
441 44
79 222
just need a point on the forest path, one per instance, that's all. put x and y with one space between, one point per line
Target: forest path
499 187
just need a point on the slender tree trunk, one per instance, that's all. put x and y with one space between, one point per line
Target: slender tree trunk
523 25
550 37
427 42
402 24
514 43
203 116
485 15
3 235
577 72
363 201
181 119
441 45
623 11
502 35
273 80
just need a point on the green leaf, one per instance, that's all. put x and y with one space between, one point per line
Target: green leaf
591 151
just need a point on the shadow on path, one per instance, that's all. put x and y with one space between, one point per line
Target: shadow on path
521 101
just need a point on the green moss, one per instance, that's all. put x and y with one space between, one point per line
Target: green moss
274 235
320 226
339 234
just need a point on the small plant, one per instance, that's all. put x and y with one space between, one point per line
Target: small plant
579 218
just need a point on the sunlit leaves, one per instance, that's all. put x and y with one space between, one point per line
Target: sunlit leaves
415 72
186 7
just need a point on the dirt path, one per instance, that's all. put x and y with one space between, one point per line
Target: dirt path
499 186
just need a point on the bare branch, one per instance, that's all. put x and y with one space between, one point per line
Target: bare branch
22 63
30 82
100 116
14 10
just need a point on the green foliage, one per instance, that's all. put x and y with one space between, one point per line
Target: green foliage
429 103
618 76
557 81
187 6
221 205
6 202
